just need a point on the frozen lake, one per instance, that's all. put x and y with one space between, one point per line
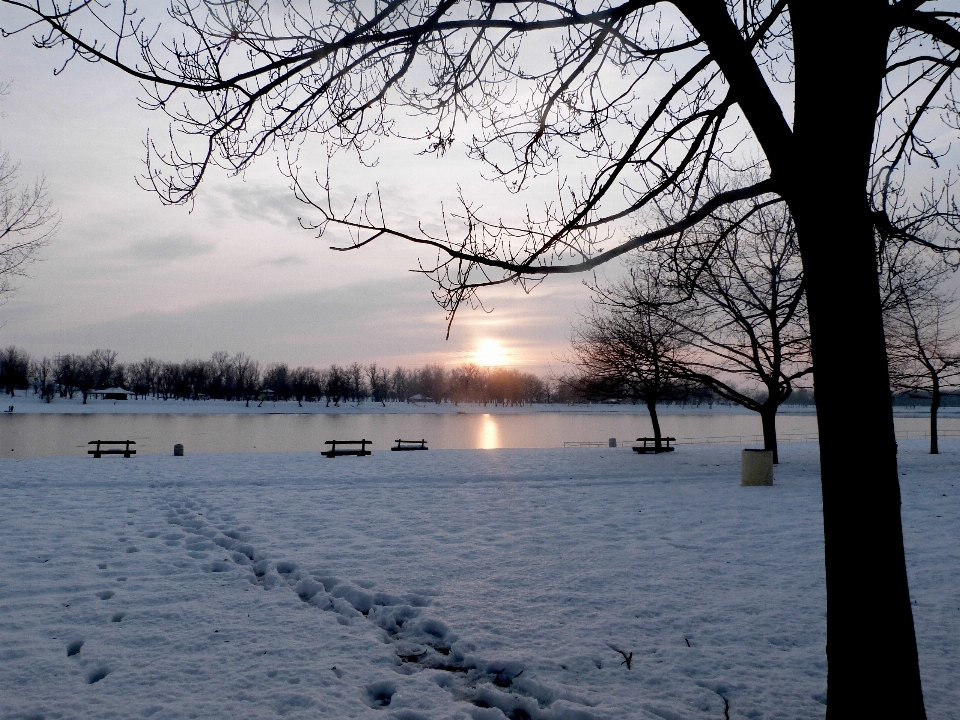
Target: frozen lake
37 434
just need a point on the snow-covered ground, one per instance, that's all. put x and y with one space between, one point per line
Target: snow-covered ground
447 584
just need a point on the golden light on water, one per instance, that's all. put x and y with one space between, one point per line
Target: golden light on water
489 354
489 434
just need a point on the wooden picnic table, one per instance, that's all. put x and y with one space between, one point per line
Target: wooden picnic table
351 449
652 446
100 451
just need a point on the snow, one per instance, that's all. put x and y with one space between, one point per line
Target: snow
464 584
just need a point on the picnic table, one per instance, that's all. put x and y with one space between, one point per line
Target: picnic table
650 445
351 447
411 445
99 451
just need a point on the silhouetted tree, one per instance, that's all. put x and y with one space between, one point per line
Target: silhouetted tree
277 378
922 335
14 370
739 303
378 380
335 385
633 343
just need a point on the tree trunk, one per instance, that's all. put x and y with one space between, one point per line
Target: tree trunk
873 669
768 419
934 407
655 421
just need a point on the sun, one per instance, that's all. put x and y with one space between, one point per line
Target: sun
490 353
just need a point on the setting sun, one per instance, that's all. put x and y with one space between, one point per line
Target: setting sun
489 353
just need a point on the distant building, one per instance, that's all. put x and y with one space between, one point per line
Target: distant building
114 393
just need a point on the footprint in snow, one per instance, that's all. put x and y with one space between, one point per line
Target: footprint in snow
97 674
105 594
74 648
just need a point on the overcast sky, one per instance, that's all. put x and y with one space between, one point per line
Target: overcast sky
236 273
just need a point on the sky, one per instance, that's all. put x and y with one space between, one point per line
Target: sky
235 271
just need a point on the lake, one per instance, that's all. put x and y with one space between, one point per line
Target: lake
30 435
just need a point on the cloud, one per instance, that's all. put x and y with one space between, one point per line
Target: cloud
169 248
285 260
259 201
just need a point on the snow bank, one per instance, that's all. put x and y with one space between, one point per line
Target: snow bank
448 584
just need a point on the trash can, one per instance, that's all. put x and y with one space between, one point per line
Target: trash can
612 442
178 450
756 467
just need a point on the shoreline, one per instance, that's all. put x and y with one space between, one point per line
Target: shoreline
32 405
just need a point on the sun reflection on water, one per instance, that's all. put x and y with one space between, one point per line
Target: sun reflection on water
489 433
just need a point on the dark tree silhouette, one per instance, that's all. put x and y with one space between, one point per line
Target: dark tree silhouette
736 298
632 344
921 317
835 102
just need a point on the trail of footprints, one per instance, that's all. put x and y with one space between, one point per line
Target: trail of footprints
420 642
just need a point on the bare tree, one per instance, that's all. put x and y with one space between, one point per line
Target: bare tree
247 373
658 98
14 370
27 222
378 380
741 304
924 343
632 343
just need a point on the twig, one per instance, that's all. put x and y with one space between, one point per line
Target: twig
627 659
726 708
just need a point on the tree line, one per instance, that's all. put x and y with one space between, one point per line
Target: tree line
240 377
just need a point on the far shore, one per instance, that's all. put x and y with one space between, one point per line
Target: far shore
32 404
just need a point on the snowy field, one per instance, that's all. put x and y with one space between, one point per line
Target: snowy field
449 584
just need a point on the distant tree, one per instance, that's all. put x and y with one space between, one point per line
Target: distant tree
336 385
103 365
143 377
41 373
431 382
305 383
14 370
65 368
466 383
247 374
633 344
378 380
277 378
85 376
222 376
400 384
27 222
356 383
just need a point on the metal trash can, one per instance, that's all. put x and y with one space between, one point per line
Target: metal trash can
612 442
756 467
178 450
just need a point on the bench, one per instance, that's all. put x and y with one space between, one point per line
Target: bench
411 445
99 451
650 445
334 452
